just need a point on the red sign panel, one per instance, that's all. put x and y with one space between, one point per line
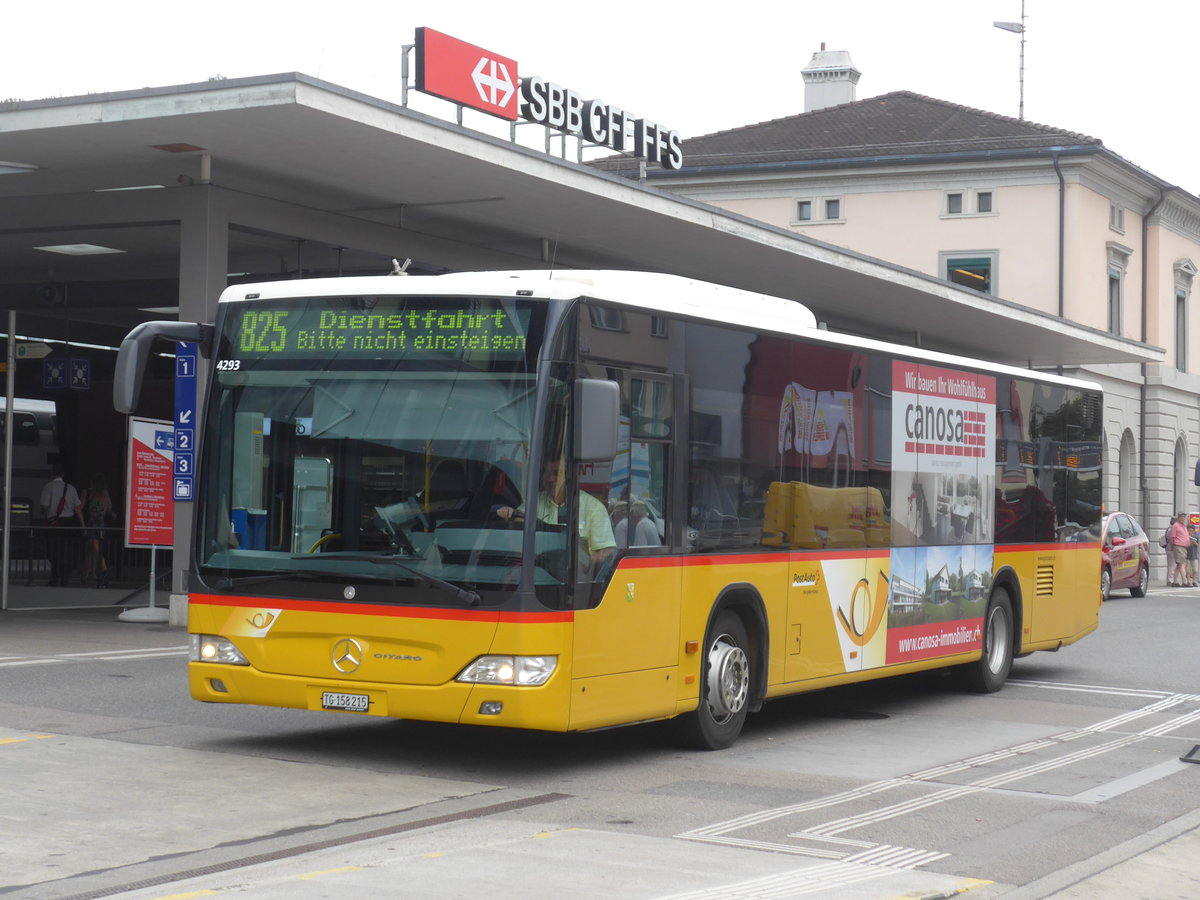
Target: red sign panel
149 468
463 73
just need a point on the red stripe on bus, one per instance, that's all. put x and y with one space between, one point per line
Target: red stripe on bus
402 612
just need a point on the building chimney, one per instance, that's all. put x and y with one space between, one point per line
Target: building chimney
829 79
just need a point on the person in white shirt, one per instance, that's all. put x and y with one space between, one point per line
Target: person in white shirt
60 510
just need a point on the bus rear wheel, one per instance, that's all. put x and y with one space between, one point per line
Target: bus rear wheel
991 671
724 688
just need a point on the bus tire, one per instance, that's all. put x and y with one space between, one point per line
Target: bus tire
991 671
725 686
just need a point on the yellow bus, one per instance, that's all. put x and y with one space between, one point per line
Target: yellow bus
577 499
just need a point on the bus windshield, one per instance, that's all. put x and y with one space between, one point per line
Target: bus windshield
369 441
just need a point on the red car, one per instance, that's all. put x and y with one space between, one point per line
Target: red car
1126 556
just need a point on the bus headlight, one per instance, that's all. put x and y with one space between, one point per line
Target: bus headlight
517 670
214 649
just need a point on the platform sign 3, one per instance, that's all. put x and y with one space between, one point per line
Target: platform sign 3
183 479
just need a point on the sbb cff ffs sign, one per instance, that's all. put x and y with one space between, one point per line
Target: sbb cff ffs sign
463 73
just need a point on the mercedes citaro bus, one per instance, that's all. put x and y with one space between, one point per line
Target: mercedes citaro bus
571 500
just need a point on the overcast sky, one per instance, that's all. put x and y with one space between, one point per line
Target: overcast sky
1122 72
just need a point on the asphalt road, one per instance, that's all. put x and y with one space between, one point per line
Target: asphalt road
115 783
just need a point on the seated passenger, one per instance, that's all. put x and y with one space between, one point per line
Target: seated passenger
636 529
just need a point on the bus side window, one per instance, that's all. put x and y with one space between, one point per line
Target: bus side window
638 493
26 431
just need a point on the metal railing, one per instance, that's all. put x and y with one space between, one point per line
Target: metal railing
38 551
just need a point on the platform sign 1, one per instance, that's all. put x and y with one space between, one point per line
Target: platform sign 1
151 521
184 463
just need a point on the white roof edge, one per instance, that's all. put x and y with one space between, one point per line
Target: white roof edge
671 293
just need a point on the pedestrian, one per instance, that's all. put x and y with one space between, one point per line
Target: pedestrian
1193 556
1177 544
97 511
60 514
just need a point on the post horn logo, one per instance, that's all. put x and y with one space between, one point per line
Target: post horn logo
863 622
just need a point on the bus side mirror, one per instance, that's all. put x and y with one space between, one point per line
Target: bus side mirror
597 419
135 350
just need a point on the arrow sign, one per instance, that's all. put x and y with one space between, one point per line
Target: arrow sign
33 351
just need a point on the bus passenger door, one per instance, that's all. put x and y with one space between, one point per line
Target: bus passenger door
626 634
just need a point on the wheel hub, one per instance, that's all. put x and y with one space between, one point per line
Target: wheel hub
728 679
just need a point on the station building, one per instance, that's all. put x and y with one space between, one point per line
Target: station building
1042 217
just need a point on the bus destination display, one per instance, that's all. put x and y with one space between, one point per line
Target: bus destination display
323 330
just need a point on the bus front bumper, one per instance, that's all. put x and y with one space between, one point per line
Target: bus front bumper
545 707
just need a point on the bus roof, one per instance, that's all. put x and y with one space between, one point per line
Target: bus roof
653 291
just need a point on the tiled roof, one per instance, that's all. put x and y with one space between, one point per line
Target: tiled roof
899 124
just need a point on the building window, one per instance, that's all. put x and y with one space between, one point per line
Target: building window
1118 262
1116 218
829 209
658 326
1180 330
1185 274
973 202
1114 300
976 271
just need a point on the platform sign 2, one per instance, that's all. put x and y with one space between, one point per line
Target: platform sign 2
184 478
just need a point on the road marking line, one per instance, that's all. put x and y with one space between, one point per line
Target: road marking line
309 876
93 656
21 740
721 833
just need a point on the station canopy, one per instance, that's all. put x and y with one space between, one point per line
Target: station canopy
114 206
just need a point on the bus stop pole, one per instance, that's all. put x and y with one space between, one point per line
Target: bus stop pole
10 394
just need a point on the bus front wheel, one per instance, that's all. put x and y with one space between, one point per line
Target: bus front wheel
724 688
991 671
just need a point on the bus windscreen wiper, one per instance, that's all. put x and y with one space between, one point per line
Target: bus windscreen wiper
468 597
227 582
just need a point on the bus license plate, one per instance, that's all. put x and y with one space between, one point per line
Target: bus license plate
348 702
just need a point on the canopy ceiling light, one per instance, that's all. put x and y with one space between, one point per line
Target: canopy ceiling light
78 249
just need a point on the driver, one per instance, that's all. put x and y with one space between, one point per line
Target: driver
595 529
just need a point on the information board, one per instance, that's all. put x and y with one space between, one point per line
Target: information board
318 331
184 448
148 474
